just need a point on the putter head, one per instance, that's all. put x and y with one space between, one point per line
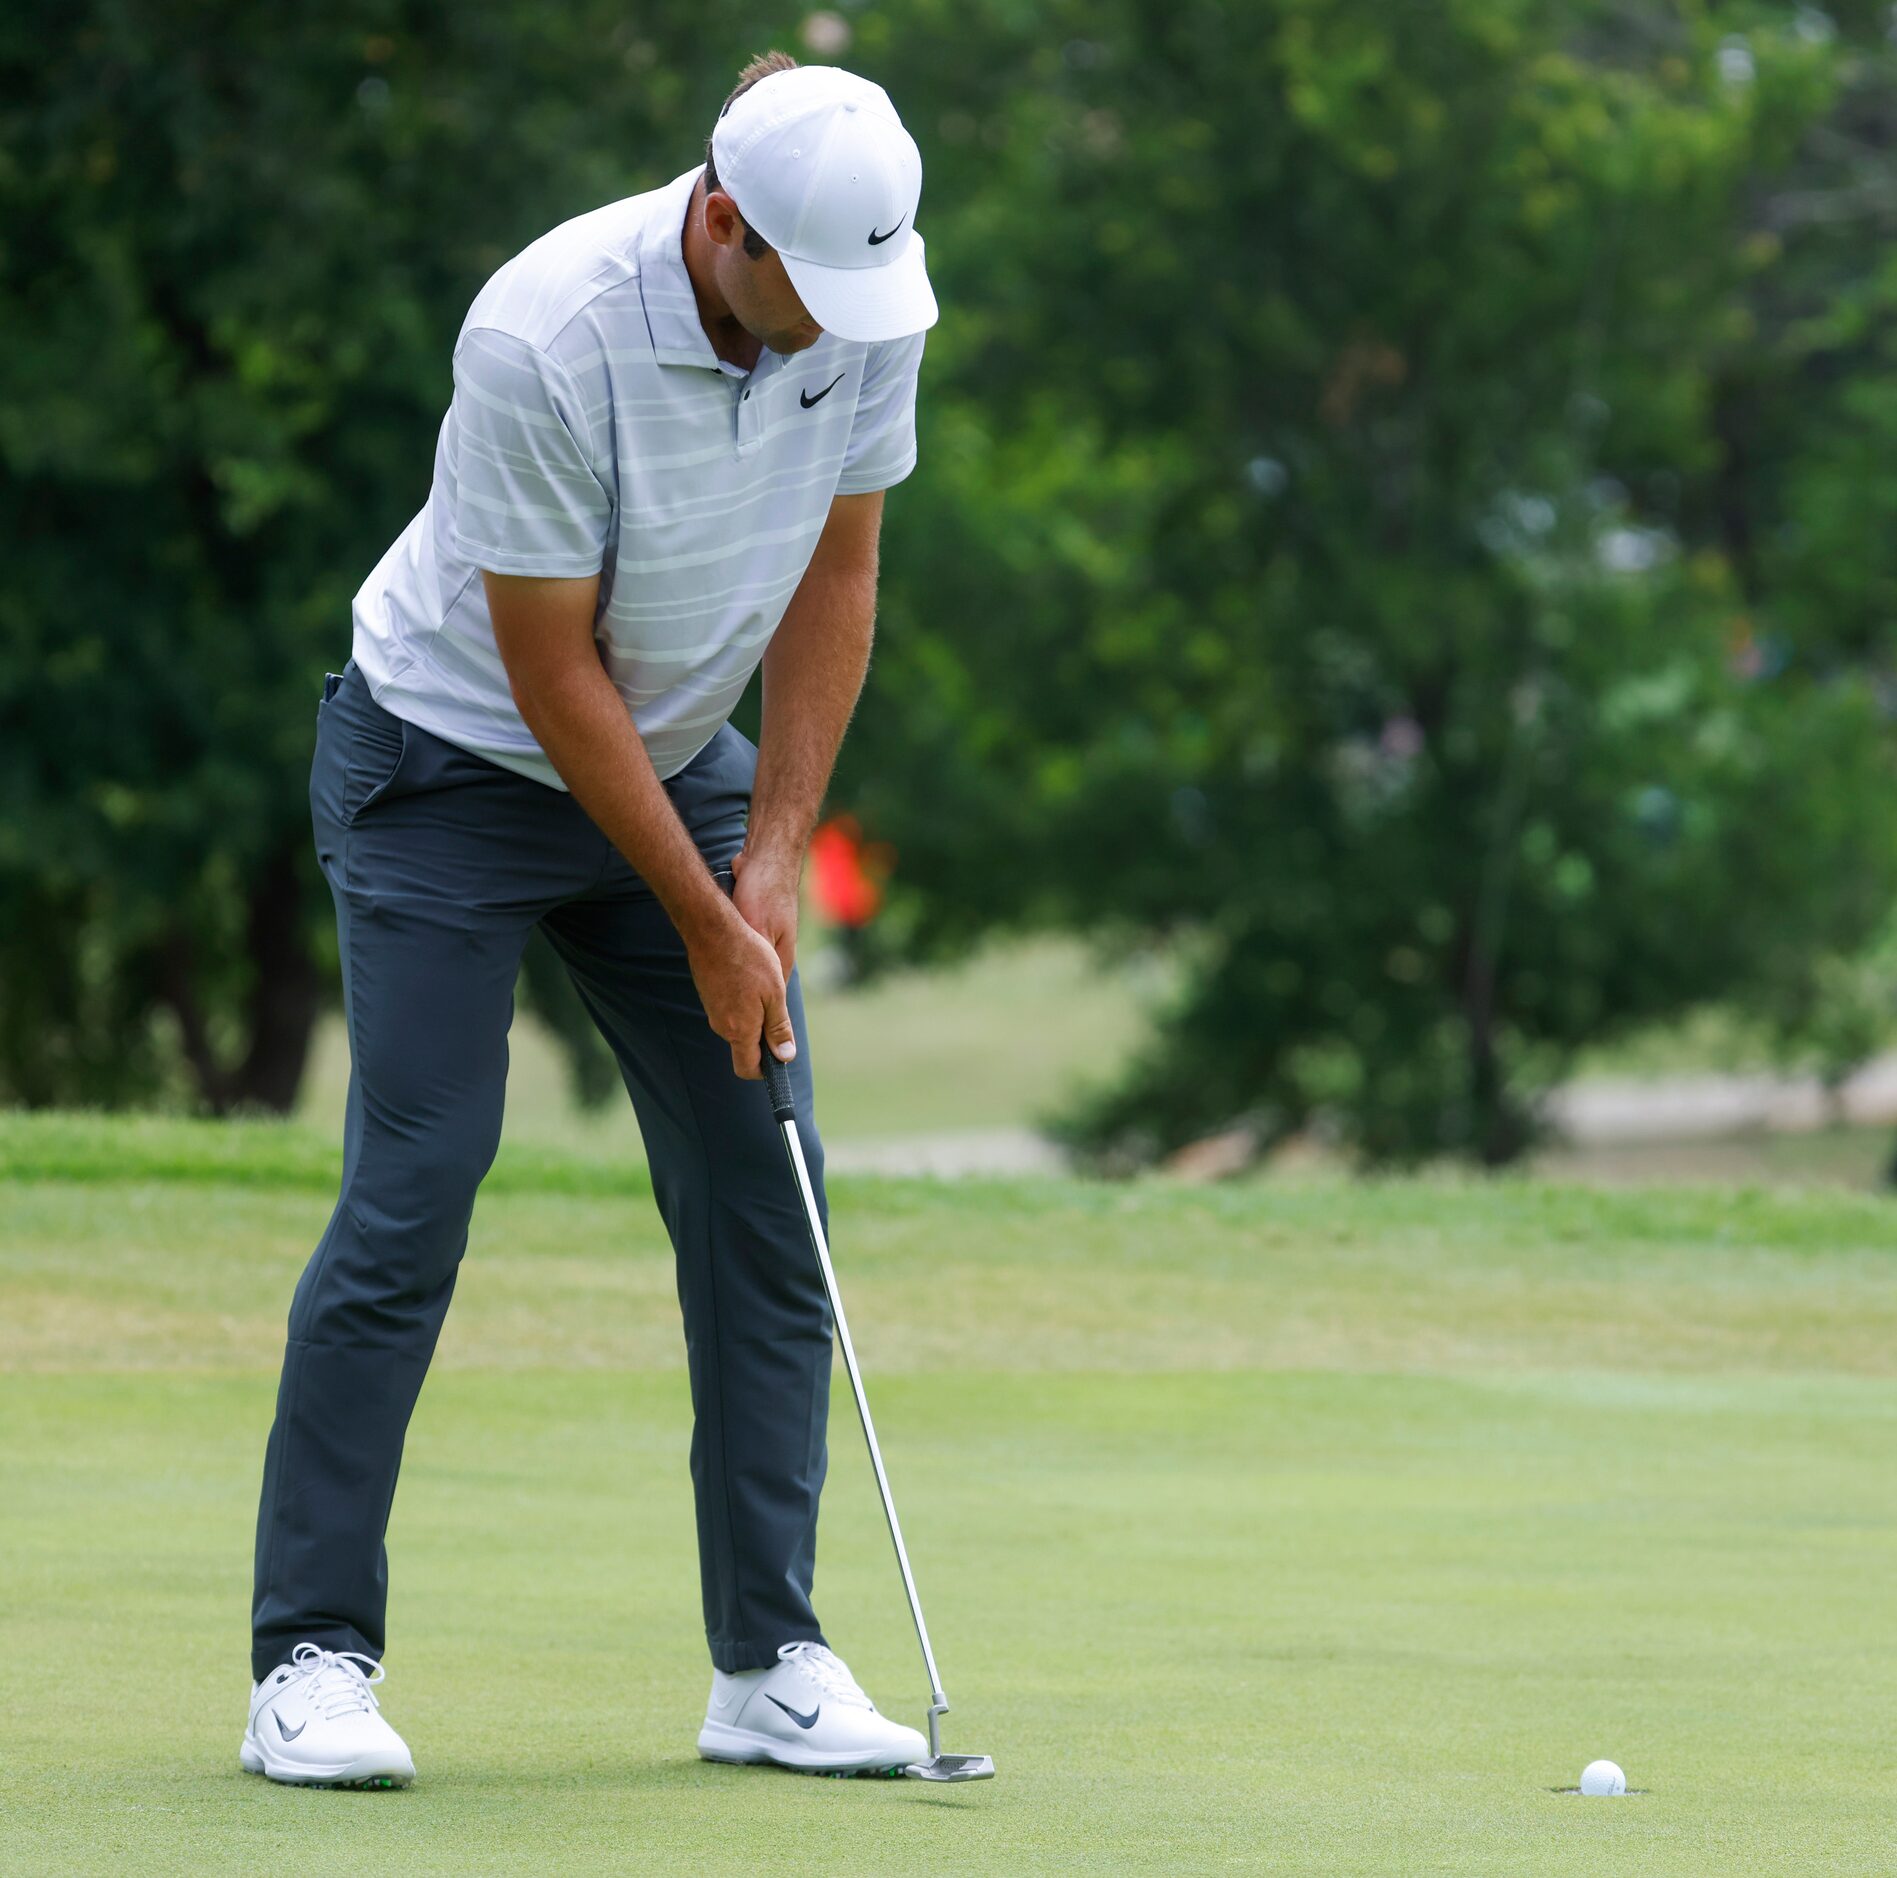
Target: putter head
953 1767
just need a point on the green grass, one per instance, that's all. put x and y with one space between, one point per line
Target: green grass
1286 1528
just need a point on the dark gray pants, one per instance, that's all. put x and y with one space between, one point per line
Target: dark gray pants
441 865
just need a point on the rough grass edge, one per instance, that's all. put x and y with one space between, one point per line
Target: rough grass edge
96 1147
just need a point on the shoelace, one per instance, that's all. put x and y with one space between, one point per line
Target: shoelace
336 1686
828 1671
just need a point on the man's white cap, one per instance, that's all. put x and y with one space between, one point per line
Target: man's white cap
819 164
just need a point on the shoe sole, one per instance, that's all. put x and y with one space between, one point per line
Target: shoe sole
742 1747
351 1776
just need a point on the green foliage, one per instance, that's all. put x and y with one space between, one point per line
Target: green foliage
1370 523
236 243
1406 507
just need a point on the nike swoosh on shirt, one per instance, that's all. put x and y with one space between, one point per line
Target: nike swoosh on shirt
802 1721
806 400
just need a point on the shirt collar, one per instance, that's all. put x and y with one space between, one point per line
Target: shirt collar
671 308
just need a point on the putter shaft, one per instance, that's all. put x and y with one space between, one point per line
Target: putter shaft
784 1108
794 1147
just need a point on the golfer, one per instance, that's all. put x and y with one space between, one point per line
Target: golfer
672 424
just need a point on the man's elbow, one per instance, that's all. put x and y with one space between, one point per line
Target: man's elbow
538 691
523 701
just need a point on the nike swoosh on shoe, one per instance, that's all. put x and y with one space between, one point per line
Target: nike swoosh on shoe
802 1721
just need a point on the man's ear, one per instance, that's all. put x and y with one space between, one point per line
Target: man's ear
722 222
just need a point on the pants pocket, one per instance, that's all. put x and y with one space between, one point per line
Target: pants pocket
377 744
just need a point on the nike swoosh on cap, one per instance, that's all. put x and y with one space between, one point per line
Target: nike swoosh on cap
876 240
802 1721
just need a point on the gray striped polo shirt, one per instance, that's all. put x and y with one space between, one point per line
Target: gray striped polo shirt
593 429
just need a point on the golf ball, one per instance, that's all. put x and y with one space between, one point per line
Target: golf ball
1602 1777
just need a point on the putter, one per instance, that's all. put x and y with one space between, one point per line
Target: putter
938 1766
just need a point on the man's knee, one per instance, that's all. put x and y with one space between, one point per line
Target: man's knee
423 1182
388 1261
744 1213
751 1170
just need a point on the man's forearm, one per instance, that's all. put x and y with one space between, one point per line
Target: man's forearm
813 675
580 721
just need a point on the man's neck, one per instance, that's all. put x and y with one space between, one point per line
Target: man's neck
728 339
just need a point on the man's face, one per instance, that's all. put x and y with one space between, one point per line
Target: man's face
759 293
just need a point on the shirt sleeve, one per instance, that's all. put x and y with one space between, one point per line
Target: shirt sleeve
882 446
527 498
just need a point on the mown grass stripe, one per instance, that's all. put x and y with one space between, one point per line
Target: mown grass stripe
113 1148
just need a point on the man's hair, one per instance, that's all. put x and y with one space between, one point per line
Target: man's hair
761 67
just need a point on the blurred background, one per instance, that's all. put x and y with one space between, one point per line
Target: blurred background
1389 654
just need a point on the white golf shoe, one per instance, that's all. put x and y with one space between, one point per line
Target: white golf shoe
807 1712
314 1723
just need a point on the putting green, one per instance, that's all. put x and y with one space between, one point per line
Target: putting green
1281 1528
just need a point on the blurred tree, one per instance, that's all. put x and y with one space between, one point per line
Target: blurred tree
1350 525
1806 504
1406 507
236 243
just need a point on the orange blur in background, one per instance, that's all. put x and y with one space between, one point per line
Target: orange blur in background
847 872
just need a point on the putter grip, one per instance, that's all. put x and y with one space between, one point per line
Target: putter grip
777 1081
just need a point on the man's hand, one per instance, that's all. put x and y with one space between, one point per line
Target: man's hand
765 891
741 985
